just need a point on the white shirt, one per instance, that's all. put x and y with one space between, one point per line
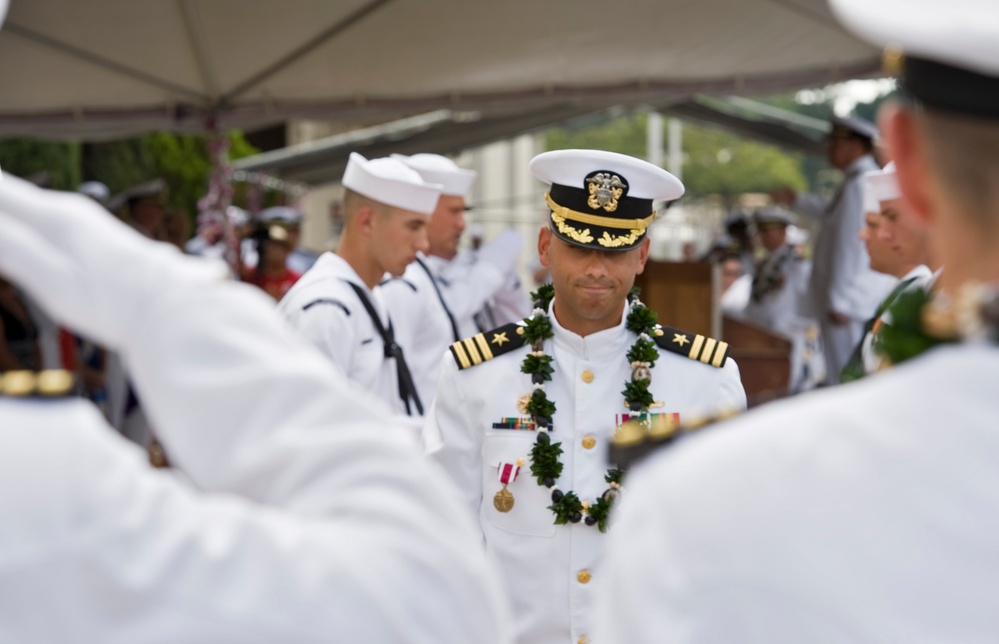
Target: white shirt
327 312
539 561
366 546
842 279
864 513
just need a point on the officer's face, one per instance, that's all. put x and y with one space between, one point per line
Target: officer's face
590 285
397 236
446 225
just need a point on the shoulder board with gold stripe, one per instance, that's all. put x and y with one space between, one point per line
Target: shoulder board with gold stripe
692 345
52 383
485 346
634 441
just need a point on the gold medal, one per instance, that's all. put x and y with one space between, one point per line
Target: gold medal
503 501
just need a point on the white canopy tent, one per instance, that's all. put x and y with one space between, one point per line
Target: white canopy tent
99 69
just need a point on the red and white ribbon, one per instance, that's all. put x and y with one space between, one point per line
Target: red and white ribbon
508 472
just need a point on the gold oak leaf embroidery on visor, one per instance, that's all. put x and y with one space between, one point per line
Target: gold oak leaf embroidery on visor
608 241
583 237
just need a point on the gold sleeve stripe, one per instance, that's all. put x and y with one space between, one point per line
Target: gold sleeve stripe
459 351
487 353
473 352
720 354
695 347
709 348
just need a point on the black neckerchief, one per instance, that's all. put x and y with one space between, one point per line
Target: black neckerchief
407 390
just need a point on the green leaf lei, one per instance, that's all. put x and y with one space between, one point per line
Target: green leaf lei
921 320
546 466
905 337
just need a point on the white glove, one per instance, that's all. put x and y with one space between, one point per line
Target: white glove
502 252
86 268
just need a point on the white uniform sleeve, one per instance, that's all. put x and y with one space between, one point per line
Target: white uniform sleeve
370 537
327 327
811 204
453 439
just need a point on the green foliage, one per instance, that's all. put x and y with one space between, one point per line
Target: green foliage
641 319
721 163
545 461
600 511
905 338
182 160
540 365
566 507
543 296
541 408
715 162
614 475
643 351
637 392
538 327
25 158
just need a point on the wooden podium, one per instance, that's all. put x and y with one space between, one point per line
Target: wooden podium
764 359
685 295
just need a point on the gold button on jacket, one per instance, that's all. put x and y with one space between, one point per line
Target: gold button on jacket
583 576
589 442
587 376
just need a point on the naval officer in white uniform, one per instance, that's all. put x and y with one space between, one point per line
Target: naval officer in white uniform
435 302
525 412
337 305
311 517
868 512
844 289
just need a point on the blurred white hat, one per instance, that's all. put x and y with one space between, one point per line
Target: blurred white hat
434 168
391 182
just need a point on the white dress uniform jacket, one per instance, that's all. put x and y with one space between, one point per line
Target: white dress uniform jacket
777 302
842 279
550 572
95 546
327 312
864 513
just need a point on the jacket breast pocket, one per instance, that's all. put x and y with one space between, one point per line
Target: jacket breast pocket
529 515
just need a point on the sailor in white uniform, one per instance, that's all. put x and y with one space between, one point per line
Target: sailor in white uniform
337 306
844 289
311 517
779 289
435 302
867 512
525 412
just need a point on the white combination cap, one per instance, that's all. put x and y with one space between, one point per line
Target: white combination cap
435 168
946 54
883 184
391 182
602 200
94 189
3 11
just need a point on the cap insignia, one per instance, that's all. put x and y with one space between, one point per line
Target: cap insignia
605 189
